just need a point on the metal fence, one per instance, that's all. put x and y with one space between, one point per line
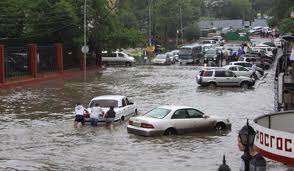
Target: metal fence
91 59
70 57
16 62
46 59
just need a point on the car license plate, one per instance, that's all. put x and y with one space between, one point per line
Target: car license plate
137 124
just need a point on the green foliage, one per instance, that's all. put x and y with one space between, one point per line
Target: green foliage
287 25
123 23
192 33
44 22
281 15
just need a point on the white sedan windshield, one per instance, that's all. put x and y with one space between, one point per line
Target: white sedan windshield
157 113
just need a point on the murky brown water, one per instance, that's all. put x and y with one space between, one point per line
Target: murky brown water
36 131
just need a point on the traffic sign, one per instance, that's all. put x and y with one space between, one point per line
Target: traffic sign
85 49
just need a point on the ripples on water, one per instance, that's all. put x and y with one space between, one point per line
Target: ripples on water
37 132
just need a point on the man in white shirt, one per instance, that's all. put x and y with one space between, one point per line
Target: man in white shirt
95 113
253 68
79 114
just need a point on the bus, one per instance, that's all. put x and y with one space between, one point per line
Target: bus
191 54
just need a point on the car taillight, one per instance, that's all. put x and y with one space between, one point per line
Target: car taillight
130 122
144 125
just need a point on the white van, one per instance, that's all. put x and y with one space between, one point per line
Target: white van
117 58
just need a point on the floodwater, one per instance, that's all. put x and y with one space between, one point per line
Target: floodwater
36 123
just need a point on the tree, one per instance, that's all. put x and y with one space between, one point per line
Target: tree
281 15
287 25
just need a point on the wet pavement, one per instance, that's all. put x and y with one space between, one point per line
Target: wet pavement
36 130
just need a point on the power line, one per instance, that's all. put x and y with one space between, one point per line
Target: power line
39 34
37 24
26 18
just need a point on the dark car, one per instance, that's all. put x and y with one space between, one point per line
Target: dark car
212 55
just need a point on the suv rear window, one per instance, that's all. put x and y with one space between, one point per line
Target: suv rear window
206 73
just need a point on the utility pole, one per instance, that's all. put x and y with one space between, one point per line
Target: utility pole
251 14
182 36
177 38
150 3
85 32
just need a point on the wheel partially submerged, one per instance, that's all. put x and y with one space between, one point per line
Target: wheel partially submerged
170 131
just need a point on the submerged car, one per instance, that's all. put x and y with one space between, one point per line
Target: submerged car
168 120
122 106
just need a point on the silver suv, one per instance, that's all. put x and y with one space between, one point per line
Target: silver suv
221 77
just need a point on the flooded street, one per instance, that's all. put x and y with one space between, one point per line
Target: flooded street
36 130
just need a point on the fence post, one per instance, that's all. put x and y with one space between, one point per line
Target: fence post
59 55
33 59
81 63
2 69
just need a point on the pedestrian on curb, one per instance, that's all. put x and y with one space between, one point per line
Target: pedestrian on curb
253 68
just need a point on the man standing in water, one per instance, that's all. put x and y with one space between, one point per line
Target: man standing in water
95 113
79 115
251 159
109 117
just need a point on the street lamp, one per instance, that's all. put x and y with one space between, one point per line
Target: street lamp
150 2
177 38
246 136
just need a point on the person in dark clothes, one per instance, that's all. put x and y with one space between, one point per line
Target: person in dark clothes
109 116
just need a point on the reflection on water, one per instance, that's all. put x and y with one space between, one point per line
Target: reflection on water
37 122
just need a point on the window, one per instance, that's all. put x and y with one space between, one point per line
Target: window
194 113
248 60
104 103
185 51
242 69
123 103
233 68
180 114
229 74
247 65
158 113
207 73
127 101
120 55
220 74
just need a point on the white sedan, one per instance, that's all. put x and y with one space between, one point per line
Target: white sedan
241 71
168 120
122 106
